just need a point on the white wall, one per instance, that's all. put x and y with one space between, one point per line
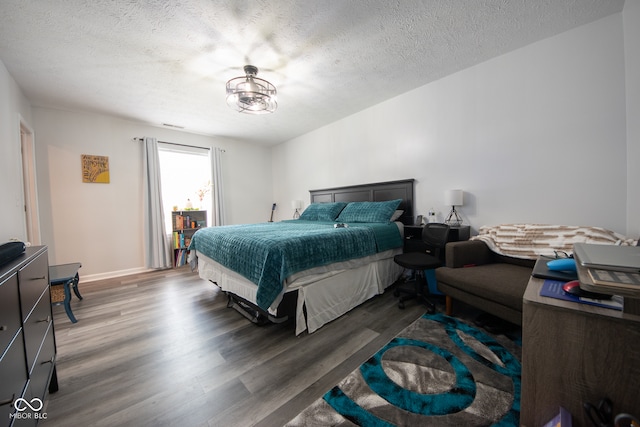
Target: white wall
536 135
101 224
631 19
14 108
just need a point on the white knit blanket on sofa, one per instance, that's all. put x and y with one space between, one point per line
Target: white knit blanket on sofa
528 241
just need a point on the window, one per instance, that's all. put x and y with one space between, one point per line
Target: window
186 176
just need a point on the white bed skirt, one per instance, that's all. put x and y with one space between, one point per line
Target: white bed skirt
327 292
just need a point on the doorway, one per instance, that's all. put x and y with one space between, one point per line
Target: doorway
27 150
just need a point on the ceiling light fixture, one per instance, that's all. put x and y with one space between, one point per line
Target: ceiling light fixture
250 94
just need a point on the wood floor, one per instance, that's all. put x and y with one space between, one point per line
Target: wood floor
162 349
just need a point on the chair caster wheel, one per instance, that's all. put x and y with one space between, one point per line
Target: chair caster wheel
401 305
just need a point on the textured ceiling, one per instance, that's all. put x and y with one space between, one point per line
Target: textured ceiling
167 62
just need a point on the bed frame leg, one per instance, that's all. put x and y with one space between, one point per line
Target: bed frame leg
449 305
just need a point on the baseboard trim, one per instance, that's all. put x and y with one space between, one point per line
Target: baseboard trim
113 274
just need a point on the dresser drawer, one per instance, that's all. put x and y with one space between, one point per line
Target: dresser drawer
9 316
29 417
37 385
43 367
35 327
33 279
14 376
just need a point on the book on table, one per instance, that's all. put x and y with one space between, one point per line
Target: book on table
611 278
608 257
622 279
553 289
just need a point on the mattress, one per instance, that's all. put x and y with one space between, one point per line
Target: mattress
324 293
269 253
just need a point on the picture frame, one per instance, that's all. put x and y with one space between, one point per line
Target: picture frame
95 169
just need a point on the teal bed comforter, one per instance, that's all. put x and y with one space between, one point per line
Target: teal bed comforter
268 253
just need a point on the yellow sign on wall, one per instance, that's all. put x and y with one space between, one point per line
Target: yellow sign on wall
95 169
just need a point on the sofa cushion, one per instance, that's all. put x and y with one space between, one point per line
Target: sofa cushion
499 282
497 258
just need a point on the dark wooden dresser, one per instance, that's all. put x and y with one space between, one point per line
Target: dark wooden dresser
27 340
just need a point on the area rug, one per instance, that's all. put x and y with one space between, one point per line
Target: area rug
438 371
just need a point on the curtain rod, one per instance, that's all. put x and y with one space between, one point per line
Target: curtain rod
180 145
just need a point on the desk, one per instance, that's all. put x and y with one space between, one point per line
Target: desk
574 353
66 275
413 236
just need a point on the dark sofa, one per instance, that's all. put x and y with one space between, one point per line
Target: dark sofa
484 279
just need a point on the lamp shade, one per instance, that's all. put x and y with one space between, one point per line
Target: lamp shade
453 198
296 204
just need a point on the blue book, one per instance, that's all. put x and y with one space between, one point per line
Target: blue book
553 289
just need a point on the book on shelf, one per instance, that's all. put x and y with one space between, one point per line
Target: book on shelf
180 240
181 257
191 220
553 289
178 222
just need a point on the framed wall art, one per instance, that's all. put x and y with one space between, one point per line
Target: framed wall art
95 169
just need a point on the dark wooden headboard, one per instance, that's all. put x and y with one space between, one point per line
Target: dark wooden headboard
377 192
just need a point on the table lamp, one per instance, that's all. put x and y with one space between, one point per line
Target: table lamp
453 198
296 204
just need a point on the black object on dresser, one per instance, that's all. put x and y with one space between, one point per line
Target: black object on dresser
27 339
10 250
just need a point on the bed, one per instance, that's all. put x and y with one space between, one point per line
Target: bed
314 269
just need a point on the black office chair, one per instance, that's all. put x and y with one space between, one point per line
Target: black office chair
434 236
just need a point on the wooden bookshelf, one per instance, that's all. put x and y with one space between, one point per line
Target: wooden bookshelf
185 224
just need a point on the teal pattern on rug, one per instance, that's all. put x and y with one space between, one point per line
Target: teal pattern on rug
457 398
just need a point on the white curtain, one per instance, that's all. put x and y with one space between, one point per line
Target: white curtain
156 244
217 216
